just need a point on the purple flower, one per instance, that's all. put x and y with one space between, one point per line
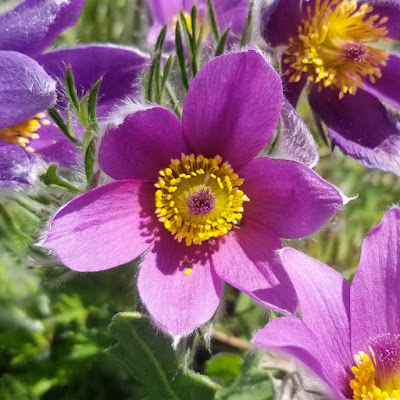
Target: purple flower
331 48
26 31
228 13
349 335
181 196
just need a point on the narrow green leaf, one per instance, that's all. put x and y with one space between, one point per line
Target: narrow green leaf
71 91
64 128
166 72
92 104
252 382
174 100
246 30
186 31
213 21
222 42
89 159
159 46
193 16
158 50
50 177
181 57
150 358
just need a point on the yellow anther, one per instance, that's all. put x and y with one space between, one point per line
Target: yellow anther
22 133
333 46
204 204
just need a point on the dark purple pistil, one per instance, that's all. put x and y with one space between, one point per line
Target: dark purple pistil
354 52
201 202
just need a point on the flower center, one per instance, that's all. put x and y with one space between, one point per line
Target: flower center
198 198
23 132
377 374
332 47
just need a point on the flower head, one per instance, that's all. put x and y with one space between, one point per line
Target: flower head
333 46
182 191
349 335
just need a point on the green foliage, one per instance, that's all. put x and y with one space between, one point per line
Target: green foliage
150 358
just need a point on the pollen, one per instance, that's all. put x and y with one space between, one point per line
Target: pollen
333 46
22 133
199 198
372 379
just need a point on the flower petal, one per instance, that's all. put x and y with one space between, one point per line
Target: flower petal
287 197
324 300
144 143
232 107
163 11
247 260
178 301
391 10
15 168
118 66
31 26
386 88
104 228
361 127
231 13
295 140
292 337
375 297
25 88
280 20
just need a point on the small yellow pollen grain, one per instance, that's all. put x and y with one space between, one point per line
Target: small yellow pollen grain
188 271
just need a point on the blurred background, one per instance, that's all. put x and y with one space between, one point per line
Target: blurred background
53 323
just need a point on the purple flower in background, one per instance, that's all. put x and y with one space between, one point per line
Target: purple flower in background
228 13
28 30
331 46
349 335
181 196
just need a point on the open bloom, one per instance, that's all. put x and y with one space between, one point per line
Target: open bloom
349 335
228 13
333 46
191 194
25 33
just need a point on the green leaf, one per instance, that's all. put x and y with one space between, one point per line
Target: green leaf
224 366
89 159
181 57
64 127
222 42
252 382
213 21
71 91
92 104
150 358
50 177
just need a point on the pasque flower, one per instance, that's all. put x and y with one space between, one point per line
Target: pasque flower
230 13
349 335
26 91
332 46
191 195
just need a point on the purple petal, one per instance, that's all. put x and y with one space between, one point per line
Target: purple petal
324 299
104 228
387 87
25 88
231 13
287 197
247 260
292 90
232 107
291 336
15 167
144 143
296 142
54 146
391 10
34 24
280 20
163 11
119 66
375 296
361 127
179 301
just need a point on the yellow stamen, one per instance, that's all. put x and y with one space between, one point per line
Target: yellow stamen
198 198
177 19
333 46
366 384
22 133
